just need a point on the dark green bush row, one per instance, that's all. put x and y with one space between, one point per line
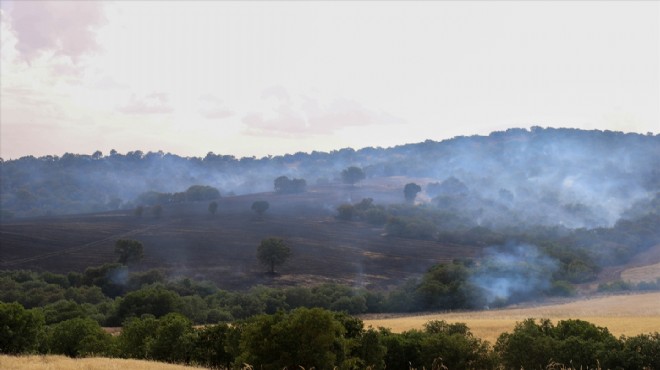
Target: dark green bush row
326 340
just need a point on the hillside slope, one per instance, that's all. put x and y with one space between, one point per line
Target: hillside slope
188 240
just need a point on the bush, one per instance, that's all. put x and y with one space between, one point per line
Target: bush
79 337
305 337
156 301
20 329
577 343
173 340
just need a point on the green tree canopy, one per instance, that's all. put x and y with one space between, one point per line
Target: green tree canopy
79 337
272 252
19 328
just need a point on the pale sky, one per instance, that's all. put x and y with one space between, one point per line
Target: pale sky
259 78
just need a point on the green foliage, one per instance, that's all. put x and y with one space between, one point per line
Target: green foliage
304 337
63 310
173 340
135 336
260 206
129 251
641 352
352 175
272 252
577 343
79 337
156 301
20 329
446 286
213 346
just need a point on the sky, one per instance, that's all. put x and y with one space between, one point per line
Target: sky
267 78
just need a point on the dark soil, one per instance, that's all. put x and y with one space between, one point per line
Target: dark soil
189 241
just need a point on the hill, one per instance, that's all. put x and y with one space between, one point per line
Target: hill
538 176
188 240
583 202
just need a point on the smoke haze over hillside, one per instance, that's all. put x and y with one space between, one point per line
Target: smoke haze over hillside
563 177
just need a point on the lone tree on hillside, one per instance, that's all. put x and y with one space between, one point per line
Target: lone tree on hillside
273 251
352 175
129 251
288 186
260 206
410 191
213 207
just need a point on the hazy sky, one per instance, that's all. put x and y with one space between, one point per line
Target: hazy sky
259 78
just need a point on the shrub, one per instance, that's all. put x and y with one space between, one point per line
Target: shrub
79 337
20 329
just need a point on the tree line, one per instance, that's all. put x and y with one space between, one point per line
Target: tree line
77 183
322 339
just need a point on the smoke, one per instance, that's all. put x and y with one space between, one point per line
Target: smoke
118 276
513 179
513 272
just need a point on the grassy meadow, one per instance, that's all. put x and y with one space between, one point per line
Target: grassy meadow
52 362
629 314
639 274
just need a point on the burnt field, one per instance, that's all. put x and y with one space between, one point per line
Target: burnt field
187 240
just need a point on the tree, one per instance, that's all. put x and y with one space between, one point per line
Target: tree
129 251
260 206
20 329
213 207
273 251
285 185
173 340
304 338
410 191
201 192
352 175
79 337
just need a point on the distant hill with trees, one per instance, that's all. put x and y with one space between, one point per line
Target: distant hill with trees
571 177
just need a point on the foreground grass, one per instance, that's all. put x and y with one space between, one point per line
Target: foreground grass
622 314
51 362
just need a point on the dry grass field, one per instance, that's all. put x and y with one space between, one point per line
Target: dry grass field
96 363
622 314
644 273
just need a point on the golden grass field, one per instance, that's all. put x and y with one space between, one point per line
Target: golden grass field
94 363
628 315
645 273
